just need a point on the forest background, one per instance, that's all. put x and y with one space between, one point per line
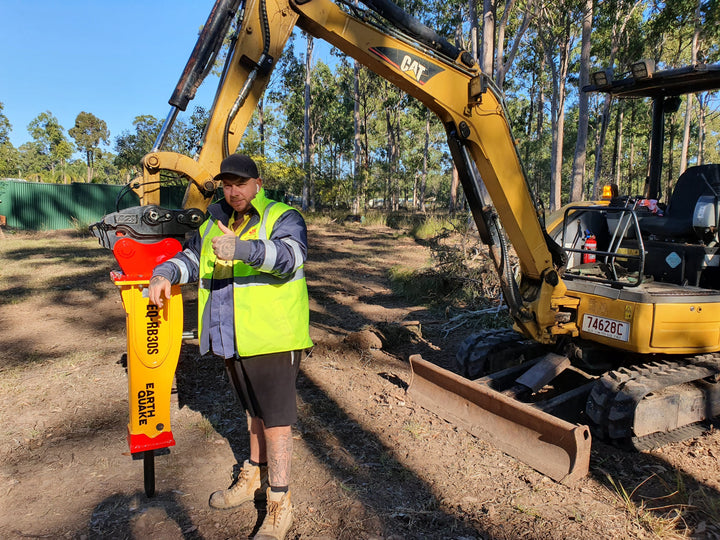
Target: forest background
366 143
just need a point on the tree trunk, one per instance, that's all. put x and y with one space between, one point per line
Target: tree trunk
580 157
671 163
631 162
454 183
689 97
261 124
393 156
88 157
307 155
557 112
472 9
503 62
540 120
488 37
617 150
423 182
357 174
618 30
604 122
701 129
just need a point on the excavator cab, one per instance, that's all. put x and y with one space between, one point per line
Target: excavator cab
627 240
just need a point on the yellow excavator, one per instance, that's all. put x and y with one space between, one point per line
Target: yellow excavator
616 308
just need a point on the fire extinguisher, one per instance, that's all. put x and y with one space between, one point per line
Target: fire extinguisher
590 245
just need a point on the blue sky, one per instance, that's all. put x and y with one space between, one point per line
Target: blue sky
114 59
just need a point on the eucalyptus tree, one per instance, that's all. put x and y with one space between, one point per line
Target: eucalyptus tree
557 30
687 32
526 101
131 146
332 115
618 28
5 126
308 139
510 31
580 156
9 158
89 131
50 140
33 163
367 101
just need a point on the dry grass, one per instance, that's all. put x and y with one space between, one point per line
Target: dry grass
663 521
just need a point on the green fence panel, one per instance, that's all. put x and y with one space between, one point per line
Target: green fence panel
38 206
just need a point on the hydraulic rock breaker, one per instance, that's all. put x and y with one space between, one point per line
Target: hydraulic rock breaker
154 334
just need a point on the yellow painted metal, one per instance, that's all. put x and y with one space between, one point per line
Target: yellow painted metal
200 180
448 95
154 337
451 93
281 20
672 328
199 172
686 328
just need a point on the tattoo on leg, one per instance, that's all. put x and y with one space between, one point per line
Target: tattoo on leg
279 452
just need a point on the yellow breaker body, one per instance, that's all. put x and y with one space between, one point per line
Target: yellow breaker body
154 336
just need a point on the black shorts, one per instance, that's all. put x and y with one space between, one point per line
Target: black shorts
265 385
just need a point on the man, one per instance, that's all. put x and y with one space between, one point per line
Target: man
252 311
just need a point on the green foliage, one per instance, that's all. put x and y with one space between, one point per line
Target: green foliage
47 132
393 158
51 147
5 127
89 131
9 161
131 147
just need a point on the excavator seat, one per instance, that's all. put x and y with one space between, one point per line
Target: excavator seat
677 223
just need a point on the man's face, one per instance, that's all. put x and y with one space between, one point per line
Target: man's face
240 191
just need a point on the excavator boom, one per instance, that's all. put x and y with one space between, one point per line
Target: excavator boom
423 65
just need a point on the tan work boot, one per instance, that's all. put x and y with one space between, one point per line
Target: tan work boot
251 484
278 519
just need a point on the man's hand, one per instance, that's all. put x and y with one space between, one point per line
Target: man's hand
159 287
224 246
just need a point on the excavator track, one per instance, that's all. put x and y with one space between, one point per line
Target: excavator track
653 404
493 350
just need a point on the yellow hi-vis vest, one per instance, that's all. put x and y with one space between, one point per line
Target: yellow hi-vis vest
271 313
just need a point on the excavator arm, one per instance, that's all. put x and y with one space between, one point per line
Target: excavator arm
416 60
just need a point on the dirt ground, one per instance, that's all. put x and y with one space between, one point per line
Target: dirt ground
368 462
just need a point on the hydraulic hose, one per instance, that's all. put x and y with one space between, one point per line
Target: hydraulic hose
487 222
263 63
206 50
424 34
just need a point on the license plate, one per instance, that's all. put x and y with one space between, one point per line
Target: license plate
611 328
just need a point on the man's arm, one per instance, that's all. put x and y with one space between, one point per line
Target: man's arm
281 255
182 268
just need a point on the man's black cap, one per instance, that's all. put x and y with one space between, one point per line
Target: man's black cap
237 165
